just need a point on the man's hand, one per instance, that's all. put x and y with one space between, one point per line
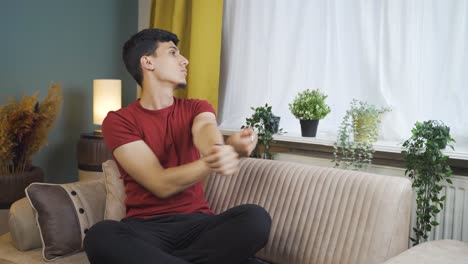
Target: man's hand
222 159
244 141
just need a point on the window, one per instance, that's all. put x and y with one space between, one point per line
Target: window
409 55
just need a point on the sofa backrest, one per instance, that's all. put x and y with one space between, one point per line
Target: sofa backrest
320 215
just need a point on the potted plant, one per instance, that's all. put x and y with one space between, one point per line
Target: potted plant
265 124
358 130
309 107
427 167
24 126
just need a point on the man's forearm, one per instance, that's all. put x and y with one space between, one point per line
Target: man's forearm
174 180
231 141
243 141
208 136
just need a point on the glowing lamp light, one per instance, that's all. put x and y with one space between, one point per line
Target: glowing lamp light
107 96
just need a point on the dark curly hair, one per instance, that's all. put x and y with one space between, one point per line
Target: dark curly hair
144 43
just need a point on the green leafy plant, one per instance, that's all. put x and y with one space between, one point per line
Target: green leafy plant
265 124
427 167
309 105
358 130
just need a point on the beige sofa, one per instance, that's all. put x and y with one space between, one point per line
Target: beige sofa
320 215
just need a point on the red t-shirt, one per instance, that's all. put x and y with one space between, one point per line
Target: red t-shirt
168 133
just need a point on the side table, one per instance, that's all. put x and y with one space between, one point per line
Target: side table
91 153
3 221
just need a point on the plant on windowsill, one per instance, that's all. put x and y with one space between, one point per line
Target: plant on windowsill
427 167
309 107
24 126
265 124
358 130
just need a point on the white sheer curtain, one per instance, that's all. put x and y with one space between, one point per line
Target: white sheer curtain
410 55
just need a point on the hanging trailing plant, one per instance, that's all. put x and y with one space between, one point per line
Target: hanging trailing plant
427 167
265 124
358 130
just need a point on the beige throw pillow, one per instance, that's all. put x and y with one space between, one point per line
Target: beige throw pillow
22 226
115 197
64 213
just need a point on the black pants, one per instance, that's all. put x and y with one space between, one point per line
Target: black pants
230 237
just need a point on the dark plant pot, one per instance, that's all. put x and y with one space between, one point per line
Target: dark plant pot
309 128
12 186
276 124
441 143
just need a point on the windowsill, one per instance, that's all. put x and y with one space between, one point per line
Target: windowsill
328 141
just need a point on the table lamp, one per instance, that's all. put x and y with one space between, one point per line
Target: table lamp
91 150
107 96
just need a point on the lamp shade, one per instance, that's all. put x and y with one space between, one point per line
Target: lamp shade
107 96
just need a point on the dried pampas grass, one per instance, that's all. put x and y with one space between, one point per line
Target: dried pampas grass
24 126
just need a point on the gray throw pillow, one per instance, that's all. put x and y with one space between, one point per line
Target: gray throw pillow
64 213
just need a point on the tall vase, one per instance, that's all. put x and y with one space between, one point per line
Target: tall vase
12 185
309 127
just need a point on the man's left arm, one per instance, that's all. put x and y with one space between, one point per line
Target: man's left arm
206 134
244 141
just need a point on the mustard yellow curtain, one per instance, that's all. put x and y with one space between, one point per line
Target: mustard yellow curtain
198 24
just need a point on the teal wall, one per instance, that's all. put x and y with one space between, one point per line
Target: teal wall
71 42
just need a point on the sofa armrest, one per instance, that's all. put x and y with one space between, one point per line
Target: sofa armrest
434 252
22 224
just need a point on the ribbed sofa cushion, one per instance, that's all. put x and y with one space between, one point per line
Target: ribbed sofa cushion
320 215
